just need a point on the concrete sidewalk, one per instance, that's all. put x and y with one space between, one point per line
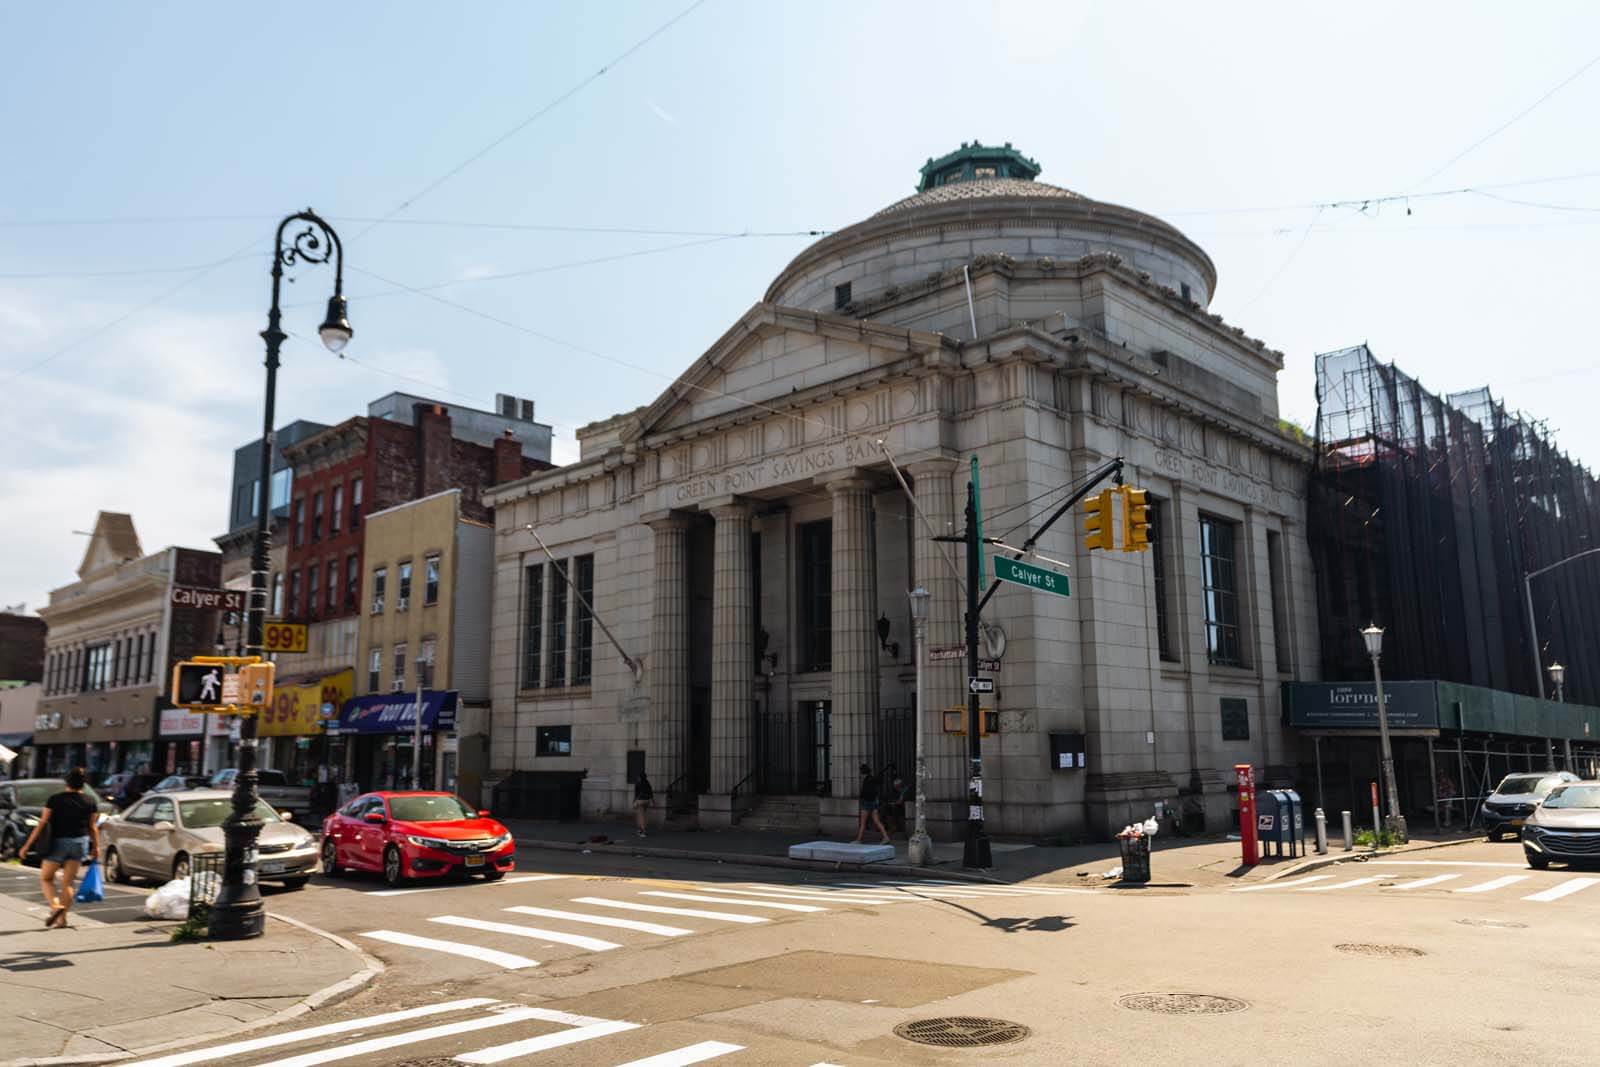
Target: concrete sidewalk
97 991
1186 861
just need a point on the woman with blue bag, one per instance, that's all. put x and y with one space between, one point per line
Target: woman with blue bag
68 819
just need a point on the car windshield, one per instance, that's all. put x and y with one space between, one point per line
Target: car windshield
201 814
34 794
1518 785
1574 796
429 809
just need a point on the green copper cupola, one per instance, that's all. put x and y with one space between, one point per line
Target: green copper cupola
975 162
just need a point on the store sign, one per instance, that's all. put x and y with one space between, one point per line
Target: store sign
1354 705
298 710
78 723
50 720
178 722
397 713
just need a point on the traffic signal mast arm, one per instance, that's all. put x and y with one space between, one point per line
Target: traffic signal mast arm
1114 468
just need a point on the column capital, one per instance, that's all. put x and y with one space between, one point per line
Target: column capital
728 508
932 467
666 519
849 480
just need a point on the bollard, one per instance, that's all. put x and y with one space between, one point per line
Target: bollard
1349 836
1322 833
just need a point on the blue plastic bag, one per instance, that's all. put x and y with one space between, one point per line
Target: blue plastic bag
93 886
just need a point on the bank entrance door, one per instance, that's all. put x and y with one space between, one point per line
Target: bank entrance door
793 747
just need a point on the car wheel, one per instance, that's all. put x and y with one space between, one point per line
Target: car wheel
330 859
296 883
1492 835
394 872
114 866
180 865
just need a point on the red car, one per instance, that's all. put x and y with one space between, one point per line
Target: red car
415 835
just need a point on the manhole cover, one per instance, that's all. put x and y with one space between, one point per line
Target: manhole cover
1385 951
1501 924
962 1031
1182 1003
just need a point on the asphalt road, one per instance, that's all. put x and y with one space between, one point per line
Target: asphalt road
609 960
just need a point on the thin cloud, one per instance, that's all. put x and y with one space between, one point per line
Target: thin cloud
661 113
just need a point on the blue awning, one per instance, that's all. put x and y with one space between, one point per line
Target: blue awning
395 713
16 740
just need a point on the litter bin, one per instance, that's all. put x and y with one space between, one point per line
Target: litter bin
1135 858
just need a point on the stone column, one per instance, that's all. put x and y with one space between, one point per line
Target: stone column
668 755
855 647
732 661
943 680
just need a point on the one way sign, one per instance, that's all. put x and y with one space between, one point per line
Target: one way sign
980 685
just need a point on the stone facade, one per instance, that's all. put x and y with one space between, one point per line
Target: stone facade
753 533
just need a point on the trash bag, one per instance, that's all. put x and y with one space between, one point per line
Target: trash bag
93 886
171 901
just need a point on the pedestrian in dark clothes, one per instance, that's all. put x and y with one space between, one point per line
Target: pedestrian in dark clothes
869 801
69 817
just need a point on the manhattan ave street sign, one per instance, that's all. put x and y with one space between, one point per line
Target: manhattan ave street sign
1030 575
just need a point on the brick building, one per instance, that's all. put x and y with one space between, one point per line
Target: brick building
21 647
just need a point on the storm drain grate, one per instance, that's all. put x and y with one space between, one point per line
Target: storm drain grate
1356 948
1500 924
962 1031
1182 1003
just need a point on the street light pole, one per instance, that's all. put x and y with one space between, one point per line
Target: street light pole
1394 822
919 849
1558 678
237 913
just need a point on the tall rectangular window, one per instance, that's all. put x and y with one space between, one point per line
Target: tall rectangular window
150 660
138 660
333 587
313 601
119 662
294 595
816 596
425 653
532 624
583 637
1220 590
299 535
280 487
277 593
316 516
97 674
355 503
380 578
374 669
399 682
430 580
1282 645
402 594
352 581
336 523
1160 588
558 624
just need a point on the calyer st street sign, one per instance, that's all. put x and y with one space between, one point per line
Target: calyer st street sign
1031 575
188 596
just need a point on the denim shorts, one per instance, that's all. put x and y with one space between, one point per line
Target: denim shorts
869 805
63 849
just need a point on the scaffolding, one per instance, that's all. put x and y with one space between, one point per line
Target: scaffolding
1424 515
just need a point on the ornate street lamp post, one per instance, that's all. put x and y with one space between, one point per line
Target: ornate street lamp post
1394 822
237 912
919 849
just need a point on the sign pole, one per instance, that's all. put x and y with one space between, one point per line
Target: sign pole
416 736
976 851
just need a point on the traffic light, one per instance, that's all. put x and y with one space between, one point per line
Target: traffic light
1135 519
1098 522
197 685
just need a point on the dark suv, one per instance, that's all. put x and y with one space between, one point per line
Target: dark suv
22 800
1515 798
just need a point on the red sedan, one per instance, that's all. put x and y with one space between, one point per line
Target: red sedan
415 835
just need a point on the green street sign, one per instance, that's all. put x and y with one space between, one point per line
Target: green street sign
1030 575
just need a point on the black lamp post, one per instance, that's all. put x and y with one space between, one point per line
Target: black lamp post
237 912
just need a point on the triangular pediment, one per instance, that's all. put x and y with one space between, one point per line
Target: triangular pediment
768 357
113 541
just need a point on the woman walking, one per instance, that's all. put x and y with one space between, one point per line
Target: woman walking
69 818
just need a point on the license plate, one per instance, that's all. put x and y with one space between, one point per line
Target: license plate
1515 822
474 861
272 867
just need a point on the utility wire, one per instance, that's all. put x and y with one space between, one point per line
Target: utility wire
125 273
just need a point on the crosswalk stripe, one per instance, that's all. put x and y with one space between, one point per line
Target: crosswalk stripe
1287 884
601 920
588 1030
594 944
1338 885
1493 884
1420 882
682 1057
1571 885
815 895
407 1037
731 900
662 909
292 1037
999 890
932 891
501 959
516 879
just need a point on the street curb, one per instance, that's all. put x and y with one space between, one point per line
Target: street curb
322 998
757 860
1359 855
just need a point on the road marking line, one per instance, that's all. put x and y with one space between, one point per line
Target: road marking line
513 880
731 900
1338 885
594 944
1494 884
1441 863
661 909
682 1057
1281 885
791 894
456 948
997 890
931 891
601 920
1571 885
256 1044
588 1031
408 1037
1420 882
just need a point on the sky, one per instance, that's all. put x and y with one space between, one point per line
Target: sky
644 185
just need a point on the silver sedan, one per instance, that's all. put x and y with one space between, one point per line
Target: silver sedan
157 837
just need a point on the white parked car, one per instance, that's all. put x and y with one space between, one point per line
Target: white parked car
158 837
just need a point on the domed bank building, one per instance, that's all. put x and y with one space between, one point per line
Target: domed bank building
748 544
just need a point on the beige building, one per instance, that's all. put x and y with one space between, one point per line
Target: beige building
748 540
423 621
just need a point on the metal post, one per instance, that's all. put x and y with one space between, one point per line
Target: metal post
919 850
1322 833
1349 832
416 736
1461 782
976 853
1433 777
1317 744
1396 822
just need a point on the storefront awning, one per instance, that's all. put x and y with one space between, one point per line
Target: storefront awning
1428 707
395 713
16 740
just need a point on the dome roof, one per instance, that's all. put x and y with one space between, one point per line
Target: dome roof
978 189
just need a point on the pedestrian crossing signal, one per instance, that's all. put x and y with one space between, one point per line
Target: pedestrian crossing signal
197 685
1097 524
1135 519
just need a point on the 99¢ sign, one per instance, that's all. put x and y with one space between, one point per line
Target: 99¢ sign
284 637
